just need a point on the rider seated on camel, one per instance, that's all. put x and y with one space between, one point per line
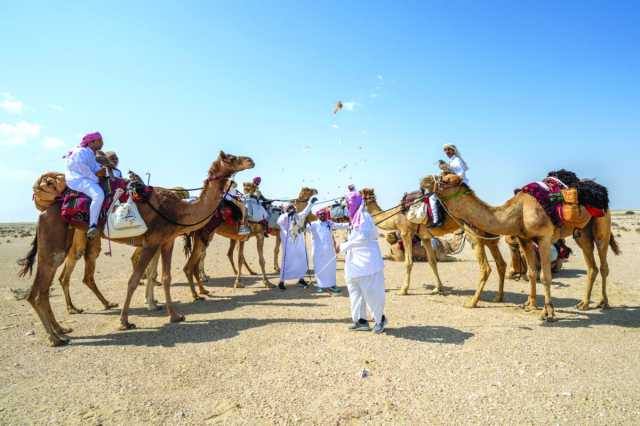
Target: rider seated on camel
82 174
237 198
456 165
260 208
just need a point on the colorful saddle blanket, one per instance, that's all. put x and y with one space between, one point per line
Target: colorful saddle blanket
547 194
75 205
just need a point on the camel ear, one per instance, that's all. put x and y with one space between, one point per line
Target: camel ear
222 155
452 179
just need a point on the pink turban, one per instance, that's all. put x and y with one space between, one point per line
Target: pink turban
355 207
257 180
90 137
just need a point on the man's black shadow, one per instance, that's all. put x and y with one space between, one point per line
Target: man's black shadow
430 334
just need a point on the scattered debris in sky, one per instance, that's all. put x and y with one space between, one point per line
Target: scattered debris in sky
338 107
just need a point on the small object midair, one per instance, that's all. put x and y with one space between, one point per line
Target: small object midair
338 107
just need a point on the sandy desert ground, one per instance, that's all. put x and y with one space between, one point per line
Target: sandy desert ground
259 356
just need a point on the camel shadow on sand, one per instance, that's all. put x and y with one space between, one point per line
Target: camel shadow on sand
430 334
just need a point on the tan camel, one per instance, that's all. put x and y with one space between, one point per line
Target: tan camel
523 217
395 220
166 216
81 247
196 245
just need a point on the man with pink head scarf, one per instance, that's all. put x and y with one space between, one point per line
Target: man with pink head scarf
82 175
364 267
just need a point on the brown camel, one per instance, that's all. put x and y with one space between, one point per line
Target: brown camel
395 220
166 215
196 245
523 217
81 247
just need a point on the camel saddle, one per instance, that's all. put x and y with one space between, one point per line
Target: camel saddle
75 205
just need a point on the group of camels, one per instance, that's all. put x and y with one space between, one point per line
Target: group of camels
521 216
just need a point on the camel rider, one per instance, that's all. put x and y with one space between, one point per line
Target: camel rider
82 176
113 167
294 253
324 251
257 194
236 197
455 165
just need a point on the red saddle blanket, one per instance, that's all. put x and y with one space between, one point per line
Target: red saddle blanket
75 205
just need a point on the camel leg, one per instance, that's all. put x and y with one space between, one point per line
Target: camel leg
485 271
276 254
530 254
501 266
544 246
201 271
260 246
232 246
65 280
246 264
166 252
408 262
585 241
151 272
191 269
432 258
145 257
90 256
198 267
602 233
237 283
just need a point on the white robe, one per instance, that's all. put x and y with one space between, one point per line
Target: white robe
81 176
324 255
364 271
294 252
457 166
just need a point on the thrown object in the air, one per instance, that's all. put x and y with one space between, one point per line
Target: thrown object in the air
338 107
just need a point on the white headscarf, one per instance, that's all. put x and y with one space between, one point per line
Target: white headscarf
457 154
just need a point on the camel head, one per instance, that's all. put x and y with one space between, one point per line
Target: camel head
307 193
248 187
442 184
227 164
368 195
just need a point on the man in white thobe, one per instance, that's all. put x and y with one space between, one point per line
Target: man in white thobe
455 165
294 252
324 251
82 176
364 267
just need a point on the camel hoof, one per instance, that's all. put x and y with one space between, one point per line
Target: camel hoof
403 292
499 298
110 305
126 326
238 285
583 306
528 307
153 308
267 284
55 342
470 305
603 305
205 292
437 291
177 318
66 330
73 310
196 298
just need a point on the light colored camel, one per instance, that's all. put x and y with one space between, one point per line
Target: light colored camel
396 220
522 216
166 216
196 245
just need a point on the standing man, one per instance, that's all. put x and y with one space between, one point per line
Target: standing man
294 252
82 176
324 251
364 267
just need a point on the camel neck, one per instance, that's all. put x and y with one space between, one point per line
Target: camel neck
499 220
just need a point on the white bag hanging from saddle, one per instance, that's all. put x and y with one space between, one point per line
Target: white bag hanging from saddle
418 213
123 219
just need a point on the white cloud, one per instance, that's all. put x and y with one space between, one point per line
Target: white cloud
56 107
19 133
349 106
380 77
11 104
373 95
335 126
52 143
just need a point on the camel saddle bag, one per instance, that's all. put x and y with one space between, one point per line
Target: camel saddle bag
418 213
124 219
572 212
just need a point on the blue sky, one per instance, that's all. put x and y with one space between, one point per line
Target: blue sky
520 87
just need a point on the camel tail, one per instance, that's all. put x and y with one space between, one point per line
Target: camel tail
27 262
614 246
188 245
